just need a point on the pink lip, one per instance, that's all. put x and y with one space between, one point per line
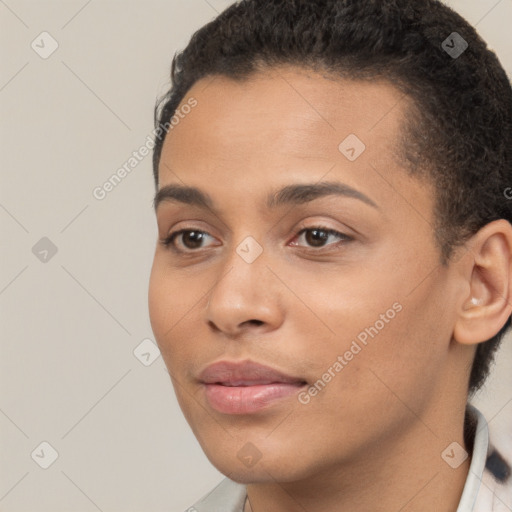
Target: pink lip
246 387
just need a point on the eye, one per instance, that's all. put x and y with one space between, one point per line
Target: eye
190 239
317 236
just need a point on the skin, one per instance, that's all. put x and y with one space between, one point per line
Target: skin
372 438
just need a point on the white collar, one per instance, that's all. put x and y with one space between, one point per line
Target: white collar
477 466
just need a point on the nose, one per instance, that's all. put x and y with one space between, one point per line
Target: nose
246 299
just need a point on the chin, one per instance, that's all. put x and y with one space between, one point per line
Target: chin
265 470
250 476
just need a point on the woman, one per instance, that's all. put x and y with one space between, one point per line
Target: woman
333 271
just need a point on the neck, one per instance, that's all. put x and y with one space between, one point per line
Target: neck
407 474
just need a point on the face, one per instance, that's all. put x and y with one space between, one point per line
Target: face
339 289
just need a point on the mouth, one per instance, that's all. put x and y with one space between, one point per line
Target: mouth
248 399
246 387
246 383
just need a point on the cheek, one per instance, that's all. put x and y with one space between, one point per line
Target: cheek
386 340
158 300
403 362
174 303
167 304
376 384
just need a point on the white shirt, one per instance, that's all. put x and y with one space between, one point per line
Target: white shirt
482 492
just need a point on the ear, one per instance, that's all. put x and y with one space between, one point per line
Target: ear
487 268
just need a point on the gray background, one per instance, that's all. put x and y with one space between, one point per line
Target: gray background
72 320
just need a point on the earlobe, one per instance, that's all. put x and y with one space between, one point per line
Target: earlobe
488 267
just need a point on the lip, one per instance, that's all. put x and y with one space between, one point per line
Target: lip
246 387
248 373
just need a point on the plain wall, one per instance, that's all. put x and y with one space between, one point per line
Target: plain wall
70 324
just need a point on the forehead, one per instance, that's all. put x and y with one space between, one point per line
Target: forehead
284 107
289 125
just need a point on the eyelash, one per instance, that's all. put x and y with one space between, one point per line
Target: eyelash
168 242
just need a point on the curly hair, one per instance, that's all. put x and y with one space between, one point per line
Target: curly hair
458 132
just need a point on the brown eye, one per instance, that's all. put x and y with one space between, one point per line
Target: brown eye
317 236
191 239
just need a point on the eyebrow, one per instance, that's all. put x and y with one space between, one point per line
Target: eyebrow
290 194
